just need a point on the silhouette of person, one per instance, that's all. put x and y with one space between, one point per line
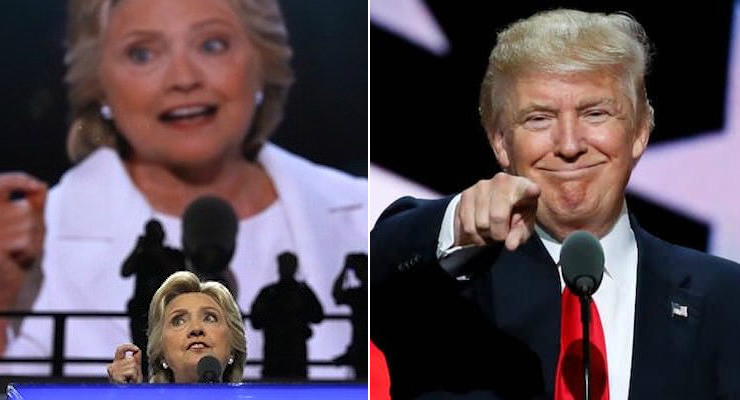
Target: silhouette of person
153 263
356 299
284 310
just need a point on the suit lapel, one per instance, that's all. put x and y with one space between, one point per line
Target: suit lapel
667 317
524 299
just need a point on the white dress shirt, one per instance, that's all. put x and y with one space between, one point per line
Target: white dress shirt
615 298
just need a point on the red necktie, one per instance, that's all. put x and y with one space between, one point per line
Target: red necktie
569 375
379 380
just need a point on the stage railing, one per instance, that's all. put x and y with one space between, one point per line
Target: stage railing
58 359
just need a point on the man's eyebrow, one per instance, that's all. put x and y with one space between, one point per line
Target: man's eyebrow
583 104
532 108
586 103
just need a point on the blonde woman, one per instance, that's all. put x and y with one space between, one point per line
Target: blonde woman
188 320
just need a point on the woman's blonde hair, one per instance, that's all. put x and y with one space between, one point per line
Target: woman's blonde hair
187 282
86 24
565 42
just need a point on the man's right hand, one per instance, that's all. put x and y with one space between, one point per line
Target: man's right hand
500 209
22 231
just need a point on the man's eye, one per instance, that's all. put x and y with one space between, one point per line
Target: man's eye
597 115
215 46
140 55
537 122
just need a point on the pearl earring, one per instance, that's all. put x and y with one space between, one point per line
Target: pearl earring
165 365
258 97
231 360
106 112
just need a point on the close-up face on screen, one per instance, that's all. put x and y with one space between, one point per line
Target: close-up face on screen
184 199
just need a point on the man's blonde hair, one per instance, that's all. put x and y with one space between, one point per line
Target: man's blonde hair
565 42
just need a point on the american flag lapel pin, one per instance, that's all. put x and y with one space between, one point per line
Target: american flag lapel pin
679 310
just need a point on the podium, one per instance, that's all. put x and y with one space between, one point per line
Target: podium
255 391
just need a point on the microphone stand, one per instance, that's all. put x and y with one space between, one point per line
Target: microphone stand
585 319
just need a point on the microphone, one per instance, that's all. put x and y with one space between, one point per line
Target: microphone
582 261
209 227
209 370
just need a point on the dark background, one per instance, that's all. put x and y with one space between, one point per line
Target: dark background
425 124
326 116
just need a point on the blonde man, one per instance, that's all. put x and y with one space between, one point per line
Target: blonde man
564 105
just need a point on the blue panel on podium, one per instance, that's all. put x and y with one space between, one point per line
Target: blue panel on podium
255 391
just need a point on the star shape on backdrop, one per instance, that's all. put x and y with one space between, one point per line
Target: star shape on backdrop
411 20
708 187
708 184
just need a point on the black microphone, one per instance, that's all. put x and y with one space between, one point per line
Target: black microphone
209 227
209 370
582 260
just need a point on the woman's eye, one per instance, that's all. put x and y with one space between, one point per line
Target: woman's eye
177 321
140 55
215 46
210 318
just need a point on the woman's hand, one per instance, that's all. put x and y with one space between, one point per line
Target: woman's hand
22 230
126 368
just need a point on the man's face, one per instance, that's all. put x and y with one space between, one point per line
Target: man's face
572 135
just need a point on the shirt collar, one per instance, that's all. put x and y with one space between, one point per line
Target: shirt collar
616 244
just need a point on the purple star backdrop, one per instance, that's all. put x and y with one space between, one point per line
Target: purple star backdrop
425 127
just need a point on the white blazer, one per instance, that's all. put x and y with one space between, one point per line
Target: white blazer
95 213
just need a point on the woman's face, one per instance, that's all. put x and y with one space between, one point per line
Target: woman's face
180 77
194 326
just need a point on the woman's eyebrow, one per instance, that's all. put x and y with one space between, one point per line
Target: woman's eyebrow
212 21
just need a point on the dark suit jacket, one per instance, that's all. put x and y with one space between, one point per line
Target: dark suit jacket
494 331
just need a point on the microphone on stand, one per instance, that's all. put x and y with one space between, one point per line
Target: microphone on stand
209 227
582 262
209 370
